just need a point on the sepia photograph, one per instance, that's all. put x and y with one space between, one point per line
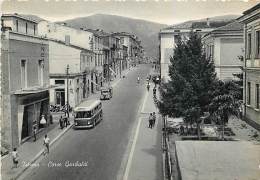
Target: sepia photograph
130 90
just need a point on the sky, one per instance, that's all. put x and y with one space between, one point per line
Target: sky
160 11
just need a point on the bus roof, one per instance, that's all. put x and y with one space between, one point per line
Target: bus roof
87 105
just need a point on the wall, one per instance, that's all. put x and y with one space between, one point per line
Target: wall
31 52
55 31
11 22
167 46
60 55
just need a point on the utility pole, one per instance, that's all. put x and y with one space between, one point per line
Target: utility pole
67 74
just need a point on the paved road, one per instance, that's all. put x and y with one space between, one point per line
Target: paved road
103 147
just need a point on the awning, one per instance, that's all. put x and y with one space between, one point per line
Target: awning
34 90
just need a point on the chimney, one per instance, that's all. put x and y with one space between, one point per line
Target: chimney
208 22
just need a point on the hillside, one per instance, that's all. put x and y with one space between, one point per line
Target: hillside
145 30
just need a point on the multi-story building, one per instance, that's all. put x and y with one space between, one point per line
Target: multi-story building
225 47
134 48
251 21
81 51
70 73
25 79
168 38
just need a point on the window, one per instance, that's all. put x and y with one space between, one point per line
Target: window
249 45
26 28
59 82
257 98
34 29
23 74
258 44
16 23
248 93
40 72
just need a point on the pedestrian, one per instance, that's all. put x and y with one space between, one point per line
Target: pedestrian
150 121
15 158
65 120
46 143
154 91
154 119
148 86
43 121
61 122
34 133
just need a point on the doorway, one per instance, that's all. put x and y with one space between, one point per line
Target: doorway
60 96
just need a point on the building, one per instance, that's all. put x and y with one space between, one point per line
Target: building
168 37
71 72
25 79
251 21
224 46
82 51
134 48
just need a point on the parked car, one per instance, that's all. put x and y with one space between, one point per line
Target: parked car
106 93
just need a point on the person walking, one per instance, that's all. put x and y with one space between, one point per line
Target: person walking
34 133
154 119
15 157
150 121
148 86
46 143
61 122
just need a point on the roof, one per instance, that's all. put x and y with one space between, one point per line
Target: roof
233 26
198 24
223 160
252 9
87 105
27 18
97 32
70 45
124 34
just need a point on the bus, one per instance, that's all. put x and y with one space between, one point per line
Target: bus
88 114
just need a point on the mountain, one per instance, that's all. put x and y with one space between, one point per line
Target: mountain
146 31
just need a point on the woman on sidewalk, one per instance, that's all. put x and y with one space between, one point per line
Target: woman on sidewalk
46 143
15 158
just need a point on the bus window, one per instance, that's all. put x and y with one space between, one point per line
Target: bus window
83 114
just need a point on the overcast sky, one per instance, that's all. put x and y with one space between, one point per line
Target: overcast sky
161 11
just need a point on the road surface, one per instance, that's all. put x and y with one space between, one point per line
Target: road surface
102 149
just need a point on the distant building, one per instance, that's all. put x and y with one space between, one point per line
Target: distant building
170 35
251 22
25 80
134 48
224 46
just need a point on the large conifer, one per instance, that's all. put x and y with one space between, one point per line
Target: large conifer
192 79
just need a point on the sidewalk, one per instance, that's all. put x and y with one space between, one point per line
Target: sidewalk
146 162
30 151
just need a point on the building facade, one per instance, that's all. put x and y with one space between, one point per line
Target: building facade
168 38
25 79
71 72
224 46
251 21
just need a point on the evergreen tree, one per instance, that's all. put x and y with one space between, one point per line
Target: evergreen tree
191 84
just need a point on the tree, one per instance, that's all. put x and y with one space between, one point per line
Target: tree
225 103
192 77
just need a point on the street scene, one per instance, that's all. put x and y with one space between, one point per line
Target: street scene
106 91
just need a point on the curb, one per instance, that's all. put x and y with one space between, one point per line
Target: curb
42 151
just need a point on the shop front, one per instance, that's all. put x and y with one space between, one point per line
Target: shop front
29 110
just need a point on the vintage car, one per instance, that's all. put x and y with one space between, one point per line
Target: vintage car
106 93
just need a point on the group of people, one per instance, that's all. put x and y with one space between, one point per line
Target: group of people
64 122
152 119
